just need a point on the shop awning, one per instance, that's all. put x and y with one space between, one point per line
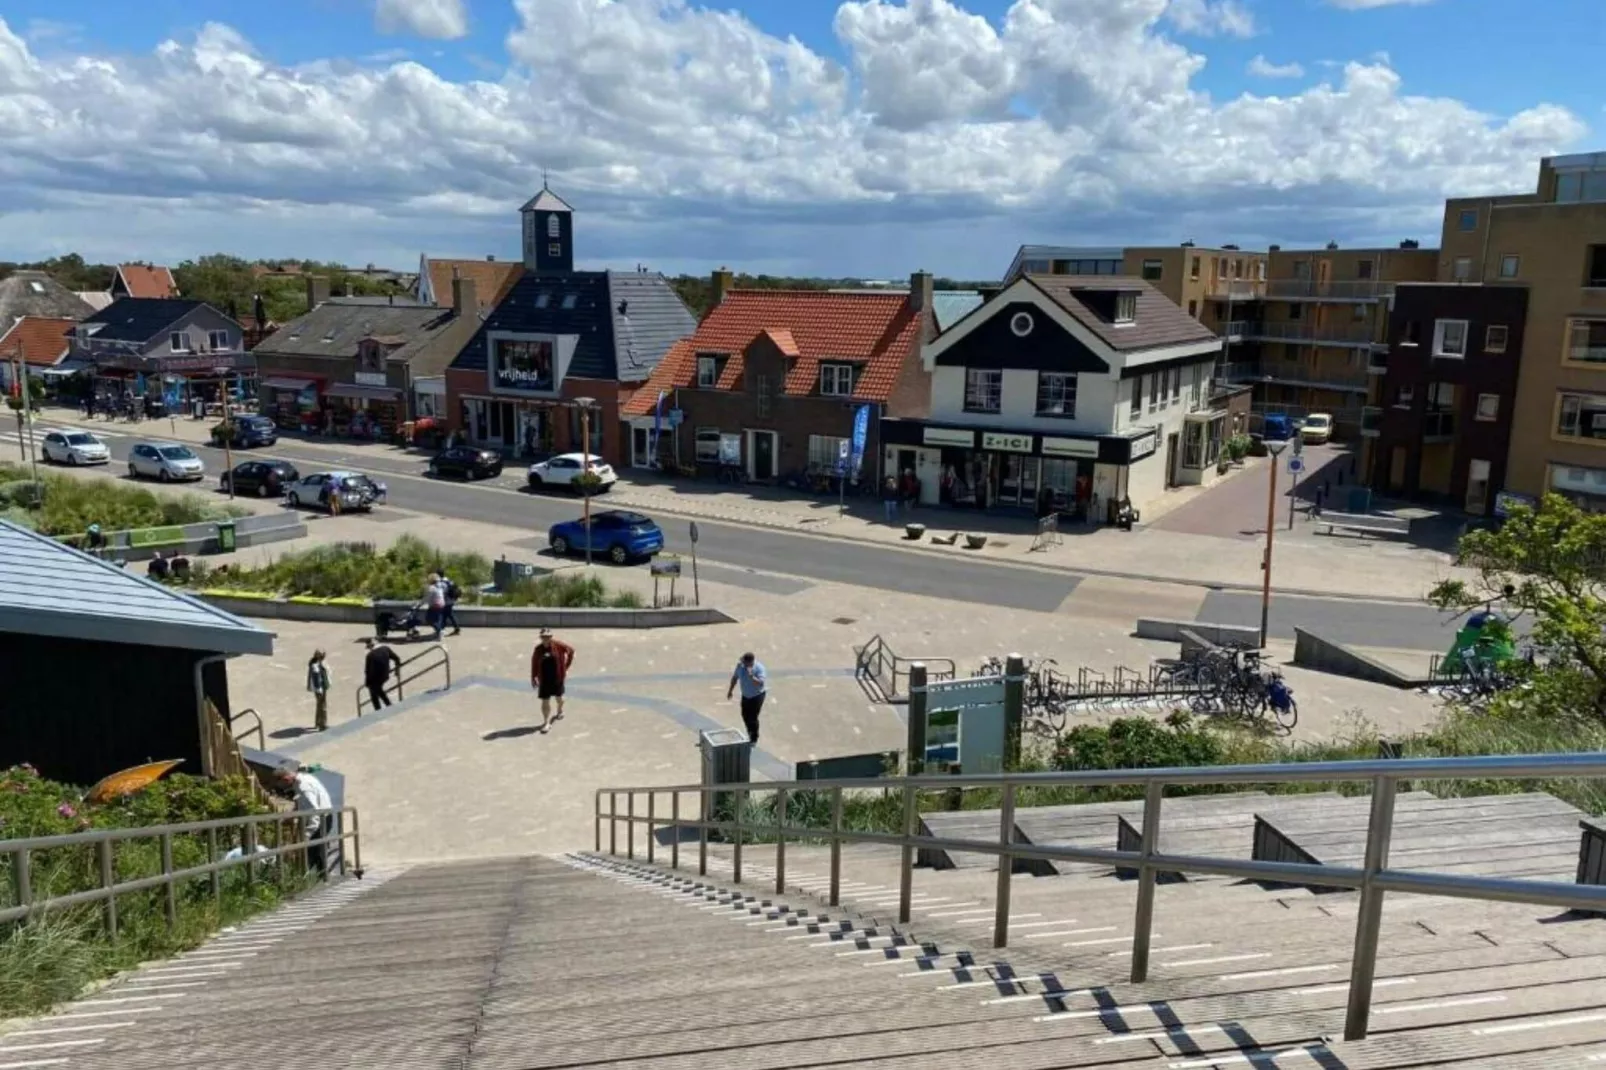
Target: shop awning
363 392
68 366
274 382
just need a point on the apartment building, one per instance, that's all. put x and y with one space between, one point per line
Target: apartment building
1552 242
1207 283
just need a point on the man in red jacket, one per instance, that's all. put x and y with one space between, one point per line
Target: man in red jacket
549 667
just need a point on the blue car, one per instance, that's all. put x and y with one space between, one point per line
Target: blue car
619 535
243 432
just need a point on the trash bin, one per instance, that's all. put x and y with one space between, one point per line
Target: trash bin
1360 500
726 760
225 537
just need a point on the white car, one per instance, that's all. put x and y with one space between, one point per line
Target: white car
165 461
355 491
74 447
565 468
1317 428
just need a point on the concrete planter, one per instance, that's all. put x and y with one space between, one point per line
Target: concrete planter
337 611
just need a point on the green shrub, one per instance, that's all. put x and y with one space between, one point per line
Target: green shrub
71 505
566 591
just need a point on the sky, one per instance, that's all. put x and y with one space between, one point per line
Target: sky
865 138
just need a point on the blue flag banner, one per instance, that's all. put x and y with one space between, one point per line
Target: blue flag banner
861 434
657 426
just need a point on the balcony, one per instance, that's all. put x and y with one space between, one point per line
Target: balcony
1235 331
1333 334
1438 427
1234 289
1312 290
1293 373
1371 421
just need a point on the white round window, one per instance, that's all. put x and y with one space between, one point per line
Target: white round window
1021 323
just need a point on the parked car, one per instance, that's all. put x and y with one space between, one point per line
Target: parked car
243 432
1276 428
165 461
466 462
1317 428
565 468
265 479
355 490
619 535
74 447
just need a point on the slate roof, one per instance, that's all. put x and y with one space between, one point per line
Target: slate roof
53 590
1160 322
34 293
492 279
625 321
546 201
873 329
139 319
147 280
40 340
948 307
336 327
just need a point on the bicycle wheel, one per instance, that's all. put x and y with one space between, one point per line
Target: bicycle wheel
1054 714
1287 718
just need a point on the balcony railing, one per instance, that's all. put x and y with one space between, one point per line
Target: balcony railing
1337 334
1438 427
1371 421
1234 289
1292 373
1347 290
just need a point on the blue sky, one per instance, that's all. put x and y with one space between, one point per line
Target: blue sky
1431 115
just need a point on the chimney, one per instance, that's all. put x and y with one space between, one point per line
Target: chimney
317 291
465 302
920 291
721 283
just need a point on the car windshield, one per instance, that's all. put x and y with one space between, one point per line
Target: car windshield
83 440
1317 421
176 453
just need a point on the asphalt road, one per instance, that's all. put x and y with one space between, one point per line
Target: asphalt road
507 502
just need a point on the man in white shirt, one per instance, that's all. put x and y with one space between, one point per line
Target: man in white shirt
311 796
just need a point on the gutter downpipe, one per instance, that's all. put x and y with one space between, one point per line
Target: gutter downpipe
200 709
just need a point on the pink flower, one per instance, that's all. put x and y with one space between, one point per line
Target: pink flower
66 810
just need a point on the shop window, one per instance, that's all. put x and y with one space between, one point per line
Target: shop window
1582 416
825 452
984 390
1056 394
708 444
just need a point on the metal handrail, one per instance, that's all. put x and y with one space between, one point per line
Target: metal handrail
402 679
109 888
881 663
262 739
1373 879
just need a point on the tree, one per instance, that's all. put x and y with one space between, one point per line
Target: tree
1550 564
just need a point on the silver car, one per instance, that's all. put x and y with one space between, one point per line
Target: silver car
165 461
74 447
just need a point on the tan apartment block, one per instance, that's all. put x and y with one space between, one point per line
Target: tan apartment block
1205 283
1554 242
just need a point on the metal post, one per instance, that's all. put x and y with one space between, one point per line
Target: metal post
248 847
630 824
780 841
108 879
915 761
613 822
171 897
1146 876
21 878
356 843
702 832
836 845
736 833
1014 708
1293 493
596 812
674 822
211 860
652 806
1006 866
228 452
906 866
1271 531
1363 965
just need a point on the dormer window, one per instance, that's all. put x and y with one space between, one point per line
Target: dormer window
707 372
1126 308
178 342
543 299
836 380
569 300
554 229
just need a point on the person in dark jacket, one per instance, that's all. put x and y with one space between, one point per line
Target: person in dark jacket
376 669
549 669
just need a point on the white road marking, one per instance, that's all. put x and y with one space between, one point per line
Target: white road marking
1070 932
1277 973
962 913
1162 950
1322 990
1175 1031
140 986
126 999
69 1029
1219 958
100 1014
877 950
1264 1055
31 1063
1041 924
988 921
52 1044
1437 1004
1096 943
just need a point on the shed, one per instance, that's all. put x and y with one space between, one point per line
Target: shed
101 669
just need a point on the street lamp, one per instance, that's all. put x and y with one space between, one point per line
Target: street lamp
228 432
585 405
1275 449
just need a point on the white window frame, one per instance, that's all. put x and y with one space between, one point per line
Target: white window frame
973 391
1126 308
1176 385
1461 269
554 226
825 451
217 339
836 380
1514 262
707 372
1156 382
1578 349
1488 408
1156 266
1405 396
179 342
698 442
1489 336
1068 384
1135 402
1439 333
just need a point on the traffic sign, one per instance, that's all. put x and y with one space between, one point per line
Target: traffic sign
694 533
1296 464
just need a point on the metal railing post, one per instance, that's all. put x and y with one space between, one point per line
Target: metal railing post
1363 965
780 841
108 879
248 847
211 860
596 820
1006 866
21 878
356 842
613 823
1143 924
836 845
652 823
906 865
702 832
736 849
674 821
171 893
630 824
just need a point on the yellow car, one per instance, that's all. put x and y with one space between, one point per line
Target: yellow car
1317 428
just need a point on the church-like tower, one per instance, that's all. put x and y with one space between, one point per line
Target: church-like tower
548 233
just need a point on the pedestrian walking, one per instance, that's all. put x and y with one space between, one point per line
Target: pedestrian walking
549 669
451 592
754 682
377 665
434 603
889 499
310 796
318 684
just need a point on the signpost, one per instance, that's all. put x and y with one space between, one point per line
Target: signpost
843 450
1296 465
696 595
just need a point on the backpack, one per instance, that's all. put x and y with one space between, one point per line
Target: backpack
451 591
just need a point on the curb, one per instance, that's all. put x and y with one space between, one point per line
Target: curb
335 611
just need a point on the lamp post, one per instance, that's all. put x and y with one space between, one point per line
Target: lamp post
228 432
1275 449
584 405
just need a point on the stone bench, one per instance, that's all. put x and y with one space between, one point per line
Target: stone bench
1368 523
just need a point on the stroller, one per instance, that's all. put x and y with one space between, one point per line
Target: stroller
388 621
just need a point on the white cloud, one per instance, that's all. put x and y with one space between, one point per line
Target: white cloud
1210 17
1261 67
440 19
689 133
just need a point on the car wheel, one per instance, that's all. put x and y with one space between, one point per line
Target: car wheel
560 546
262 490
620 554
133 473
294 499
72 460
536 483
163 476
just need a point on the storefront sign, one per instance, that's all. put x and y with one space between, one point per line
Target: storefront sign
947 436
370 378
1143 446
523 365
1070 447
1006 442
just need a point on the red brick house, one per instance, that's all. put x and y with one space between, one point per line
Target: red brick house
771 379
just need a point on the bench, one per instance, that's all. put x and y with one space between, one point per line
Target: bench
1365 522
154 538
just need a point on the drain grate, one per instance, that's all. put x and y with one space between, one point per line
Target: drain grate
844 620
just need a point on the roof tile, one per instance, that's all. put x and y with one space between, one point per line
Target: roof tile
492 279
41 340
148 280
1160 322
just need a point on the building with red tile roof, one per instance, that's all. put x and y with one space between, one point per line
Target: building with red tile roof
771 380
41 341
143 280
492 278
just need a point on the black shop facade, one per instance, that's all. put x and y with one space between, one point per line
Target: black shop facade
966 466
